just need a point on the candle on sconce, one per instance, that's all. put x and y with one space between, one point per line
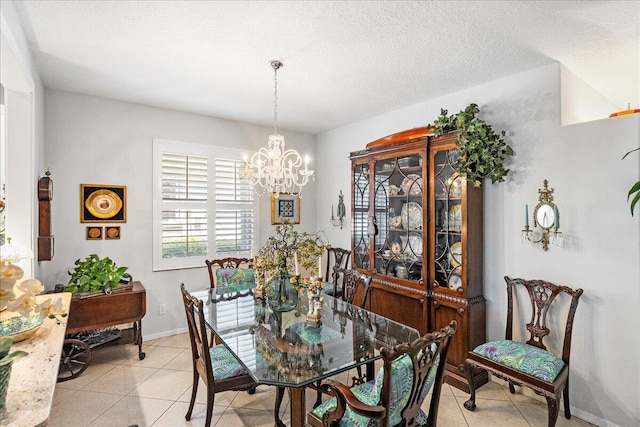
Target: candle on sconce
556 219
295 261
320 267
526 216
331 211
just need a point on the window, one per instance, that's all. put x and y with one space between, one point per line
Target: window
202 209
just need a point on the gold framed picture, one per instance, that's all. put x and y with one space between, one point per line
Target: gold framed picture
103 203
112 232
94 233
285 208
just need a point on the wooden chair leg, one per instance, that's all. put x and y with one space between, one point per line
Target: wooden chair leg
318 395
553 405
194 391
210 401
469 371
565 394
276 410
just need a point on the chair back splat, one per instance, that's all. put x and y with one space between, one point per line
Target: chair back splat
410 371
352 282
529 363
226 263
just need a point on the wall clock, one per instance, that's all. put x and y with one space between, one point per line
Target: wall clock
45 238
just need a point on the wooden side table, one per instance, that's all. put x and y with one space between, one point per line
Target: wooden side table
98 312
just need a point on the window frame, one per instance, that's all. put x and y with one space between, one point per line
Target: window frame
211 152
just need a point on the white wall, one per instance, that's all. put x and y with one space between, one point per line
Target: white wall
602 241
93 140
24 100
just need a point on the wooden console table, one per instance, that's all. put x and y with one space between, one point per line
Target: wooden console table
98 312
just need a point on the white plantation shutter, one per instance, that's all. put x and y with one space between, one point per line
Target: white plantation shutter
234 215
184 205
202 209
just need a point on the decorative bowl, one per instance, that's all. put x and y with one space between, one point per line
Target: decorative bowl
20 328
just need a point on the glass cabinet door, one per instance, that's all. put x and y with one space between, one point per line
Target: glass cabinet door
361 215
399 216
448 221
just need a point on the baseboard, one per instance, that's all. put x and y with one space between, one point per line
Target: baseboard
583 415
164 334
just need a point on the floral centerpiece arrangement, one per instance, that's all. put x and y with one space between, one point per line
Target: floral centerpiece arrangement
296 248
279 262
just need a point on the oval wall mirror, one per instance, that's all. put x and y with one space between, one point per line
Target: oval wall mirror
544 215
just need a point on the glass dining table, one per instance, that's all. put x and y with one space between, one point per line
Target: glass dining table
281 349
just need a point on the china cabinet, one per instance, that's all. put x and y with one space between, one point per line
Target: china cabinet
417 230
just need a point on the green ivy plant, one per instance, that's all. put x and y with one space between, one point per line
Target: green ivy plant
483 152
635 188
95 274
285 243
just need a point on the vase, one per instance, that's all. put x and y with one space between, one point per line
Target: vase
282 294
5 373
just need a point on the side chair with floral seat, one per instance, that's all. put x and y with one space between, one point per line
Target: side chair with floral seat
529 363
226 271
394 398
214 364
337 261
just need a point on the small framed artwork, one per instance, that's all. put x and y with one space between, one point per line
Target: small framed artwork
103 203
94 233
285 208
112 232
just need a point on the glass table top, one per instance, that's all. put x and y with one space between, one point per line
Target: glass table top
279 348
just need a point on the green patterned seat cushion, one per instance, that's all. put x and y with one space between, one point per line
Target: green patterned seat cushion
224 364
363 392
401 383
523 357
234 276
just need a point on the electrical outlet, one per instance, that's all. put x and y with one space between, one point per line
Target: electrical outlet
162 308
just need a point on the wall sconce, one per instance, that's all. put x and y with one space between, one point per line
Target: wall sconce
338 221
546 221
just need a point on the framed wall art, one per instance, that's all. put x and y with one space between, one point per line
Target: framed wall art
112 232
94 233
103 203
285 208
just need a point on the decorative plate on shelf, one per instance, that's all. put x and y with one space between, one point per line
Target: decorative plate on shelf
412 216
412 185
455 254
455 281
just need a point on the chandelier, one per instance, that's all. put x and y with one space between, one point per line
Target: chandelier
275 169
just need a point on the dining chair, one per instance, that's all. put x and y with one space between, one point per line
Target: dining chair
352 282
394 398
337 259
214 364
225 271
530 363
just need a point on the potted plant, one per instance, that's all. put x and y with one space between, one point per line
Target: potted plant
96 275
635 188
483 152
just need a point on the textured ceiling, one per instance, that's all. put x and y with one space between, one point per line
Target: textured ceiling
343 60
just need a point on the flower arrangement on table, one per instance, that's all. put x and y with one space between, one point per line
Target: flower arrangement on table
281 277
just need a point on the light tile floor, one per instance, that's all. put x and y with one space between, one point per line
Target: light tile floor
118 390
